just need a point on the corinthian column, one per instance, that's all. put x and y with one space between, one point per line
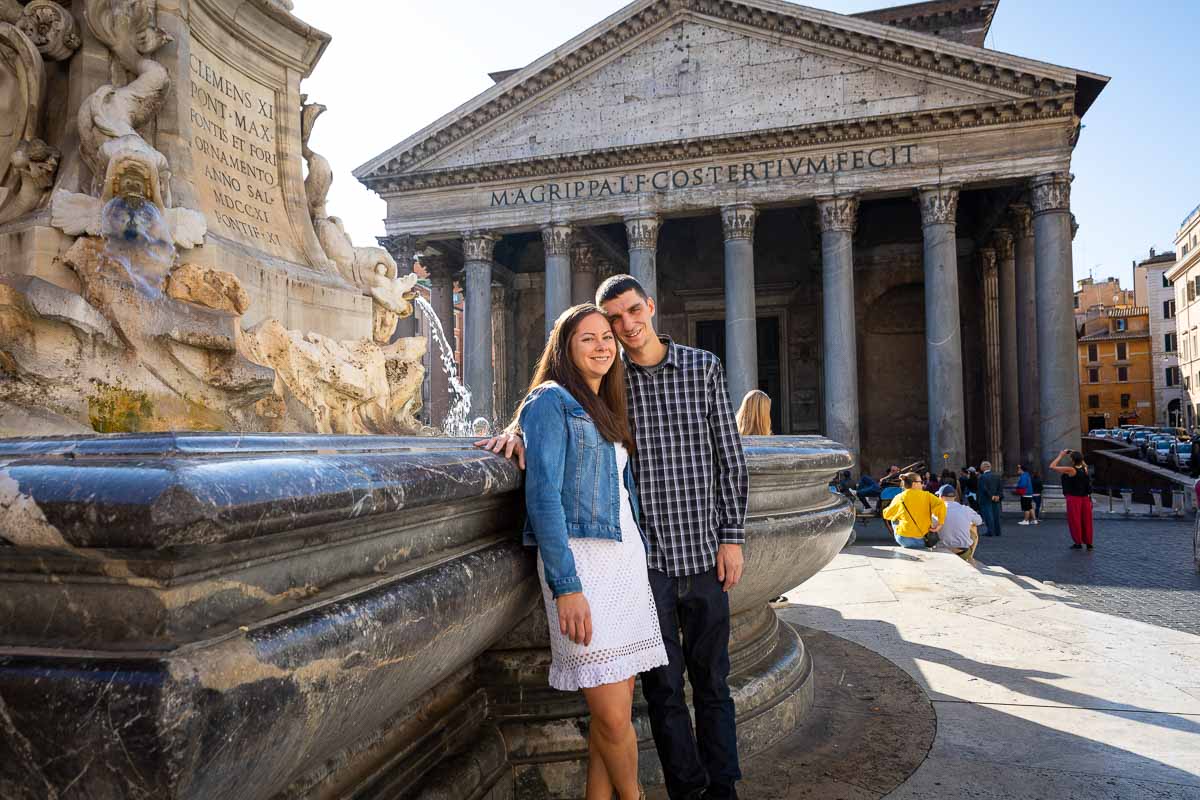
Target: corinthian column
838 217
557 242
643 249
1057 357
477 256
583 273
992 393
1028 402
741 325
1010 392
943 336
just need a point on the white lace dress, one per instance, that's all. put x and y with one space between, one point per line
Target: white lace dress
626 638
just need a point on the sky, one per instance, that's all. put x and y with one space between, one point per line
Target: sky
394 67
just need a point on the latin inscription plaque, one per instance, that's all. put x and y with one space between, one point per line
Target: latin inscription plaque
235 151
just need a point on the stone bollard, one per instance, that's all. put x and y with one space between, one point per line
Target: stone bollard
1127 501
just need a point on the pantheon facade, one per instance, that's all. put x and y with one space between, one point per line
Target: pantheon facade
866 216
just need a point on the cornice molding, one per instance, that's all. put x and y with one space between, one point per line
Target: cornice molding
816 134
838 213
931 56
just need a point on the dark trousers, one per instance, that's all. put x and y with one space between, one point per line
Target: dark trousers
991 516
693 612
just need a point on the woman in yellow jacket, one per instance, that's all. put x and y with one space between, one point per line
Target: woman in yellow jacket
914 513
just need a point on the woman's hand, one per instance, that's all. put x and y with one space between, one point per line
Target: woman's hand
575 618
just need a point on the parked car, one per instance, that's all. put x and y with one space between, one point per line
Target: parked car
1099 433
1180 455
1159 449
1140 438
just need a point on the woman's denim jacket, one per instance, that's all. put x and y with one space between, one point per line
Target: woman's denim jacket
571 486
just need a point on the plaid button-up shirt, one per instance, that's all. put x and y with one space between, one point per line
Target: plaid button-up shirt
689 466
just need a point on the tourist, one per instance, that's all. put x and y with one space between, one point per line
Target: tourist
1038 486
932 484
693 483
960 532
914 513
1077 488
754 415
991 496
970 486
591 553
892 478
867 488
1024 491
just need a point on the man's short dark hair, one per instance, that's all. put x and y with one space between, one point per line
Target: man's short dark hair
618 285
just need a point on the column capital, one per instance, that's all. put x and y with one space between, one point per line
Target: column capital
939 204
988 256
643 232
479 246
1051 192
583 257
556 238
1022 219
738 221
1002 240
402 248
838 213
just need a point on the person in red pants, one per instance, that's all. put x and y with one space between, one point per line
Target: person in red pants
1077 487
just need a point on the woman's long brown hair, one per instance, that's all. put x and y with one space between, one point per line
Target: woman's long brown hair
754 416
607 409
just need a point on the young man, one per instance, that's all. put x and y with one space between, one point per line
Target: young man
692 482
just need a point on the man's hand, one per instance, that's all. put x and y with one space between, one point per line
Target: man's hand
995 499
575 618
508 443
729 565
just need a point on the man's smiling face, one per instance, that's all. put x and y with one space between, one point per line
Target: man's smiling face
631 317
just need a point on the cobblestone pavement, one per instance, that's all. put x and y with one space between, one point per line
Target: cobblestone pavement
1140 569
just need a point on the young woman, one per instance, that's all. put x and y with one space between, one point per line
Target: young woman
582 516
1077 486
1025 492
754 416
914 513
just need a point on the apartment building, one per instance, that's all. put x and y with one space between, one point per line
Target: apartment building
1153 290
1185 276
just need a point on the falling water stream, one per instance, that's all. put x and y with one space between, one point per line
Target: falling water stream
457 422
137 237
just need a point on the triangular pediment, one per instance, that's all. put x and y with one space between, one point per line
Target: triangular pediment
695 70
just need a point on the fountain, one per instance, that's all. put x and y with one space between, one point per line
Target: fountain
231 571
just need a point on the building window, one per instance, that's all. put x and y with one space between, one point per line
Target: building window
1122 351
1076 301
1170 376
1169 342
1168 309
1166 283
1191 291
1124 401
1120 325
1092 355
1093 376
1093 401
1122 374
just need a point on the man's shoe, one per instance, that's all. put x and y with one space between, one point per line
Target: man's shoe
1024 522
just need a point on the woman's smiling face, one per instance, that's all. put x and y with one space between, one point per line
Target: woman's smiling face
593 347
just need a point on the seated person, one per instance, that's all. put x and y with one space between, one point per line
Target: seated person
867 487
914 513
960 532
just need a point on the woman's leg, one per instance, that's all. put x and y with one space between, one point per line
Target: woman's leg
1085 521
1074 516
599 785
612 738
